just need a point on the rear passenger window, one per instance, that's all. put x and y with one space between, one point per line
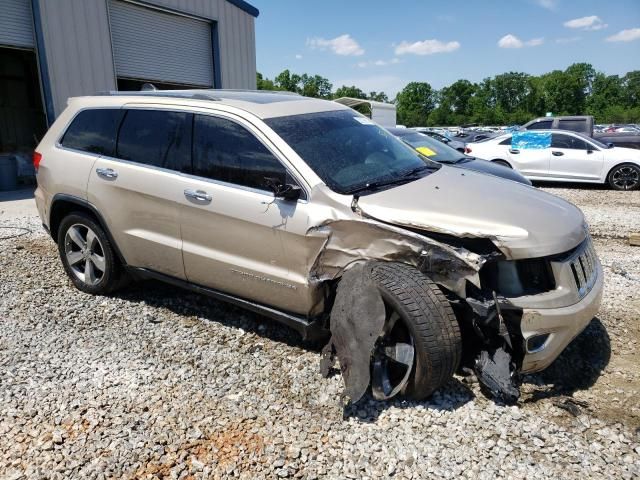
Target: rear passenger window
156 137
94 131
226 151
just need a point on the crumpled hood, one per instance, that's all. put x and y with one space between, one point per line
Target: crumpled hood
522 221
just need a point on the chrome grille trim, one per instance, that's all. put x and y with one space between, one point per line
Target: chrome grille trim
584 267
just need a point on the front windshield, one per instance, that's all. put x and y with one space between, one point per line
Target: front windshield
347 150
432 148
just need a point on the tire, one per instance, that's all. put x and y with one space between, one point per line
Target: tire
430 321
105 273
625 176
503 163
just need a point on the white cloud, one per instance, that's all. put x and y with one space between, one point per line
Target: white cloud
534 42
548 4
378 63
342 45
298 56
426 47
567 39
592 22
511 41
625 35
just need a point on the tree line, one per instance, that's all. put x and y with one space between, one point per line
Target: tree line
505 99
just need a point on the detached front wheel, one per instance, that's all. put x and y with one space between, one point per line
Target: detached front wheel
420 346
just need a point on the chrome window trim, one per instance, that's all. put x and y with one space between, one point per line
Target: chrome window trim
278 155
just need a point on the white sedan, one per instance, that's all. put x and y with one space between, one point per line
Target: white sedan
566 157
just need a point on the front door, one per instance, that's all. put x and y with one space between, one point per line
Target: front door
573 158
232 227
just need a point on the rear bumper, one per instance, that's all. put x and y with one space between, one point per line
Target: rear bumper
561 324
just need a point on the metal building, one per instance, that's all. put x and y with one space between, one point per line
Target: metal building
51 50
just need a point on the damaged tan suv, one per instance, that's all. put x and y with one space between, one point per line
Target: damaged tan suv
306 211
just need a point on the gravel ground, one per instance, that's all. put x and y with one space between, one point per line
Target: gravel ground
156 382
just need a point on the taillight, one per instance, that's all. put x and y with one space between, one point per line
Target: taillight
467 150
37 157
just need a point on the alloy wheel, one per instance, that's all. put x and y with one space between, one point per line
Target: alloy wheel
393 358
84 254
626 177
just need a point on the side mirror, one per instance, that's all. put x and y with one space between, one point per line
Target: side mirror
288 191
610 145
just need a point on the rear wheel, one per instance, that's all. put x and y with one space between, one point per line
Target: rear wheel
502 162
624 177
420 346
87 255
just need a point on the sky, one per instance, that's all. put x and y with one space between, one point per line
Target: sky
383 45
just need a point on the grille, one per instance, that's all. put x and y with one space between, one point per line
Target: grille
584 268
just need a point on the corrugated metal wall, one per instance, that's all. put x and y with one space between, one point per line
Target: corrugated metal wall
16 25
78 44
78 48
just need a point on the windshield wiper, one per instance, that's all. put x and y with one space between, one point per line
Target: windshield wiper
404 177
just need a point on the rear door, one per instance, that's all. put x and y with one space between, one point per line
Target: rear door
531 162
137 188
573 158
232 227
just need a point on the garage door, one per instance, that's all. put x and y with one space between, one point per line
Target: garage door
149 44
16 23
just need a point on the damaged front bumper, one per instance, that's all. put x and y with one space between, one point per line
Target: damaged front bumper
547 331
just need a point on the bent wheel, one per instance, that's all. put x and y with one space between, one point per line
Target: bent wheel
420 346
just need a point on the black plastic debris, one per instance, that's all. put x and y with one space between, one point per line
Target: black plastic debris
357 319
495 373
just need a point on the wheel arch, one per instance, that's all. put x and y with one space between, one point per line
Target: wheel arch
501 160
619 164
62 205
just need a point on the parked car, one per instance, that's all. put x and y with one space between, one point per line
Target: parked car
451 142
442 153
585 124
307 212
566 157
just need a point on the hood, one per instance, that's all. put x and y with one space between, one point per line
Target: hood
622 153
484 166
522 221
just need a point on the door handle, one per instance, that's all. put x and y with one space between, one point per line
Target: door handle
513 150
557 154
107 173
197 195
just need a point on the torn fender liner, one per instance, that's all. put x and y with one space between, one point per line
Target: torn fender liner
494 372
349 241
357 320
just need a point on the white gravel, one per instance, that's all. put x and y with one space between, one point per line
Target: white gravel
156 382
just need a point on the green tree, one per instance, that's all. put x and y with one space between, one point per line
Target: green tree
352 92
264 83
378 97
414 104
285 80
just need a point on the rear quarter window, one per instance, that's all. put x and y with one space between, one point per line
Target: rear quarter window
573 125
94 131
541 125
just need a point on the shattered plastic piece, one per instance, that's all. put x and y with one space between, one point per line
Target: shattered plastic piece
357 319
494 373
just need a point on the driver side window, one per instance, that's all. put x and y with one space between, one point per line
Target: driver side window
226 151
567 141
